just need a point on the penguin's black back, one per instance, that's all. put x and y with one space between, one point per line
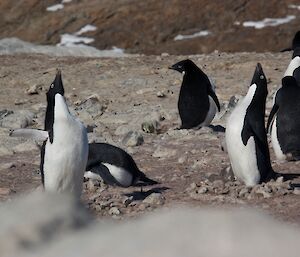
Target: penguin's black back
106 153
254 125
193 102
288 117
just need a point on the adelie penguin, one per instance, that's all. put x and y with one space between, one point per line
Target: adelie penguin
65 149
114 166
293 68
246 137
197 103
284 121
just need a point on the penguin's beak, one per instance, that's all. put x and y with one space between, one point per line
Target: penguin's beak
171 68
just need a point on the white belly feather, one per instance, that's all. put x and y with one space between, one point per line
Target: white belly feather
65 159
275 143
120 174
242 157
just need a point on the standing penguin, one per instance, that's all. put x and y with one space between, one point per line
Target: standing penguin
246 137
285 122
197 103
115 166
65 149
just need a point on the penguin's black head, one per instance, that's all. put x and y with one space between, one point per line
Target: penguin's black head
259 77
56 87
183 66
289 81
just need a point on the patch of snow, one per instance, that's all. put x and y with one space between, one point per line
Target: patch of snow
293 6
54 8
66 1
73 40
85 29
12 46
268 22
237 23
202 33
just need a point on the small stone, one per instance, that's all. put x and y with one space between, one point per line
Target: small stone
218 184
133 138
114 211
165 54
33 90
154 198
279 179
92 185
150 126
244 192
127 201
193 186
296 191
160 94
261 191
202 190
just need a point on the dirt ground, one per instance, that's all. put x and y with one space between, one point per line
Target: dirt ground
129 88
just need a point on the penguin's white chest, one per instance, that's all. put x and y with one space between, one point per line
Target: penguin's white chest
242 157
275 143
120 174
65 159
211 112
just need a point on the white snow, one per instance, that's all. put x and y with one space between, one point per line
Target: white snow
85 29
293 6
66 1
268 22
73 40
202 33
54 8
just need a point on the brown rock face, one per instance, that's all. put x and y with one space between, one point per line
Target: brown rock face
150 26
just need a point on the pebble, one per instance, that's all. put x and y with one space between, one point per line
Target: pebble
155 199
33 90
133 138
114 211
150 126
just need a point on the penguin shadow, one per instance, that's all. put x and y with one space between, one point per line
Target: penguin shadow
141 195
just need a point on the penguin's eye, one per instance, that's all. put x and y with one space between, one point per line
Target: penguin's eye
261 77
52 85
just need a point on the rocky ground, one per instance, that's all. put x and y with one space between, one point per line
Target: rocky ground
150 26
131 102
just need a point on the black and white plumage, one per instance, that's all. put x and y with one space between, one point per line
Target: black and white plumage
246 137
197 103
114 166
65 149
284 120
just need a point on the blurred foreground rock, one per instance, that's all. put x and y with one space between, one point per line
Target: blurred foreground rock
47 225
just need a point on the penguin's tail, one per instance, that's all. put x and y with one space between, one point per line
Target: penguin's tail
145 180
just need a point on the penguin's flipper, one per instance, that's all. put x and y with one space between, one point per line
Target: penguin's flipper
38 135
214 97
272 117
104 173
146 181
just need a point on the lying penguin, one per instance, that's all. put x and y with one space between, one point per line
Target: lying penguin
65 149
197 103
114 166
246 137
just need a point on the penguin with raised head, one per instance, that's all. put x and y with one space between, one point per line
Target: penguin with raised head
285 122
197 103
115 166
65 149
246 137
